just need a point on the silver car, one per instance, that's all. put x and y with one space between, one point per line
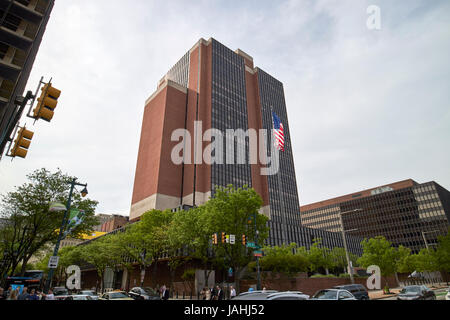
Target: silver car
255 295
90 293
333 294
288 295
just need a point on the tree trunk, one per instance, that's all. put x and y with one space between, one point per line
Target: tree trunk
396 279
155 268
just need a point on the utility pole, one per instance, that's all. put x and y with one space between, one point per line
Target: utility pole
344 240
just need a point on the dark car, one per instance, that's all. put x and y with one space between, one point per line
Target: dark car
358 290
140 293
416 293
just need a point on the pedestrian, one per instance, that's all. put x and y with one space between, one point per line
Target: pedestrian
207 293
213 293
14 294
251 289
232 292
264 289
220 295
33 295
24 295
8 292
2 297
50 295
165 293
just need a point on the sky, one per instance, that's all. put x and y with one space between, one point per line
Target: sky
366 107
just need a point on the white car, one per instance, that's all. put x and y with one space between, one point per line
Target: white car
333 294
79 297
447 296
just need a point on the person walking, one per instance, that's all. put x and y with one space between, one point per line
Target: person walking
165 293
24 295
232 292
33 295
220 295
14 294
207 293
50 295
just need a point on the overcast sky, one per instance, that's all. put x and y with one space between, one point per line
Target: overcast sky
366 107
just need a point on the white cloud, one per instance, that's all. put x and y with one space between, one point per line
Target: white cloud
365 107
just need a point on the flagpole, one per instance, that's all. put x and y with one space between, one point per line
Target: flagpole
283 236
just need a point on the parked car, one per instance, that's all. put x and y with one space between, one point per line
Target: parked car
92 294
115 295
61 293
416 293
358 290
140 293
254 295
333 294
288 295
79 297
447 296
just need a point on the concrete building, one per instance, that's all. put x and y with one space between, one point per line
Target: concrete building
22 25
406 213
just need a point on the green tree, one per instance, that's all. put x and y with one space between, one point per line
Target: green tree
287 260
320 257
29 224
233 211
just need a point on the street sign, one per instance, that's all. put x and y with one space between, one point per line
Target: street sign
53 262
232 239
227 238
258 253
252 245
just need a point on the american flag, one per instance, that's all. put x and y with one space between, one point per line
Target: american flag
278 132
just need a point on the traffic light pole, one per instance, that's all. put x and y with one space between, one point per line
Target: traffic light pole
73 183
258 272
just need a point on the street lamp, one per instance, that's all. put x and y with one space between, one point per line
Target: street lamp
425 239
84 192
349 268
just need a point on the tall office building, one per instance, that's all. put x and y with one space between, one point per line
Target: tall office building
223 90
405 213
22 25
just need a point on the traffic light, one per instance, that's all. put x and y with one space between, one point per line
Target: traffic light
46 103
244 239
22 143
214 238
223 237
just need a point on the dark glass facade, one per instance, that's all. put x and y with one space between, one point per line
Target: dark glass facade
408 216
284 203
229 111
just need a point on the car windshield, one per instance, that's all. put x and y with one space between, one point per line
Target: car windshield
326 294
150 291
411 290
117 295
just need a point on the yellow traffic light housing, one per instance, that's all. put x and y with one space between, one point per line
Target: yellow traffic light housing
214 238
223 237
46 103
22 143
244 240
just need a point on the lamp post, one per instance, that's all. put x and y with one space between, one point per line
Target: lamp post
258 272
425 239
84 192
349 268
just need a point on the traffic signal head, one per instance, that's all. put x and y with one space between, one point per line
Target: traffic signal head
46 103
223 237
244 239
214 238
22 143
